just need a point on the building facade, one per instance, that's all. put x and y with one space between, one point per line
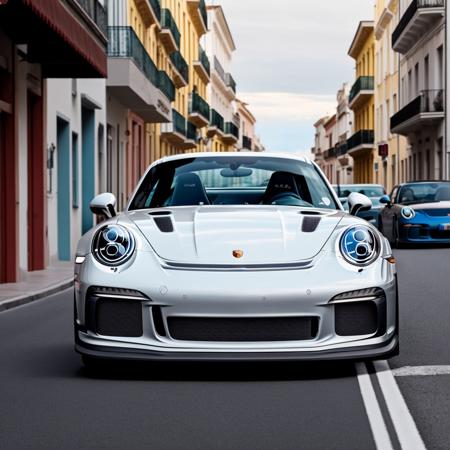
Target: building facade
344 119
63 39
419 39
320 142
330 162
248 140
223 130
361 101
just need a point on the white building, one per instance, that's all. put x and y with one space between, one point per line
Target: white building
344 123
320 141
419 39
76 172
248 139
219 45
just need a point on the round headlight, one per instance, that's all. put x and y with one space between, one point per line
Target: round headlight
408 213
359 245
113 245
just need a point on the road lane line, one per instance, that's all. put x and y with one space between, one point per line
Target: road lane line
405 427
376 421
415 371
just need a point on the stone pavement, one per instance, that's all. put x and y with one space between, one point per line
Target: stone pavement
36 285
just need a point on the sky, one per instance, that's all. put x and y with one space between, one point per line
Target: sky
290 61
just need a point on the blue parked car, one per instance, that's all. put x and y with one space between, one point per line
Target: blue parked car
373 191
417 213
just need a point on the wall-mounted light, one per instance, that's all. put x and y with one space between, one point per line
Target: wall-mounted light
50 165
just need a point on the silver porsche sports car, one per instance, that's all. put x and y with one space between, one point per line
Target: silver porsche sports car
234 256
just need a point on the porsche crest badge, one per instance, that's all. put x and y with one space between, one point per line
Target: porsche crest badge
238 253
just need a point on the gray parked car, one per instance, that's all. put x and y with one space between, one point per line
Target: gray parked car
231 256
373 191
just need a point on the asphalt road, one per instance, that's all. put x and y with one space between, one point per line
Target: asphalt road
48 401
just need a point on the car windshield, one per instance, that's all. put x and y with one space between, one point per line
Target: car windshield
424 193
369 190
223 180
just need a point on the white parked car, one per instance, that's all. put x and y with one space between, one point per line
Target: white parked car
231 256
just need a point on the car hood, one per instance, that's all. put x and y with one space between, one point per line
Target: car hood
433 208
209 235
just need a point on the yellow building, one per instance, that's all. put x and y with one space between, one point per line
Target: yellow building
156 88
361 101
390 148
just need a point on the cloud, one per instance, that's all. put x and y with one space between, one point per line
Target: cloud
289 106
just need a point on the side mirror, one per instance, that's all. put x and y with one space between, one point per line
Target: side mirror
358 202
104 205
385 200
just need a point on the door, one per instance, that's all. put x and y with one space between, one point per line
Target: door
35 183
63 186
87 167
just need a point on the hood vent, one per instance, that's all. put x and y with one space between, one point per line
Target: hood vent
164 223
310 224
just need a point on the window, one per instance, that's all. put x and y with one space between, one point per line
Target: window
75 171
416 80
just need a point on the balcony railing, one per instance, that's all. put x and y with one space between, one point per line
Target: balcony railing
168 23
198 105
409 14
217 120
191 131
156 6
97 12
181 65
179 122
362 137
232 129
203 58
229 81
124 43
342 149
363 83
431 101
166 85
330 153
219 69
246 142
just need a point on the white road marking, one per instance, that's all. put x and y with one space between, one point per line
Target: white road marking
404 424
376 421
414 371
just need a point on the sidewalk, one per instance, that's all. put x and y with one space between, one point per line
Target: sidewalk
36 285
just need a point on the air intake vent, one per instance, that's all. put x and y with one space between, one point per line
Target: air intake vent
356 318
310 224
210 329
164 224
115 317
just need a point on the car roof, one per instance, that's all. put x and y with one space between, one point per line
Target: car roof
235 155
358 185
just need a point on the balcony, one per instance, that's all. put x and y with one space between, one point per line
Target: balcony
175 132
134 78
362 141
166 85
190 142
202 66
199 16
150 11
199 111
231 134
330 153
342 154
169 34
418 19
247 143
180 70
216 125
231 84
97 13
361 91
425 110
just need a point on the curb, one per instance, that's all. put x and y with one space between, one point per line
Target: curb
20 300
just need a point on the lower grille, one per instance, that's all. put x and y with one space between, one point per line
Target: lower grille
440 234
356 318
243 329
115 317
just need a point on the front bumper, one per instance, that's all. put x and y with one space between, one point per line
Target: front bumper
303 292
424 233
